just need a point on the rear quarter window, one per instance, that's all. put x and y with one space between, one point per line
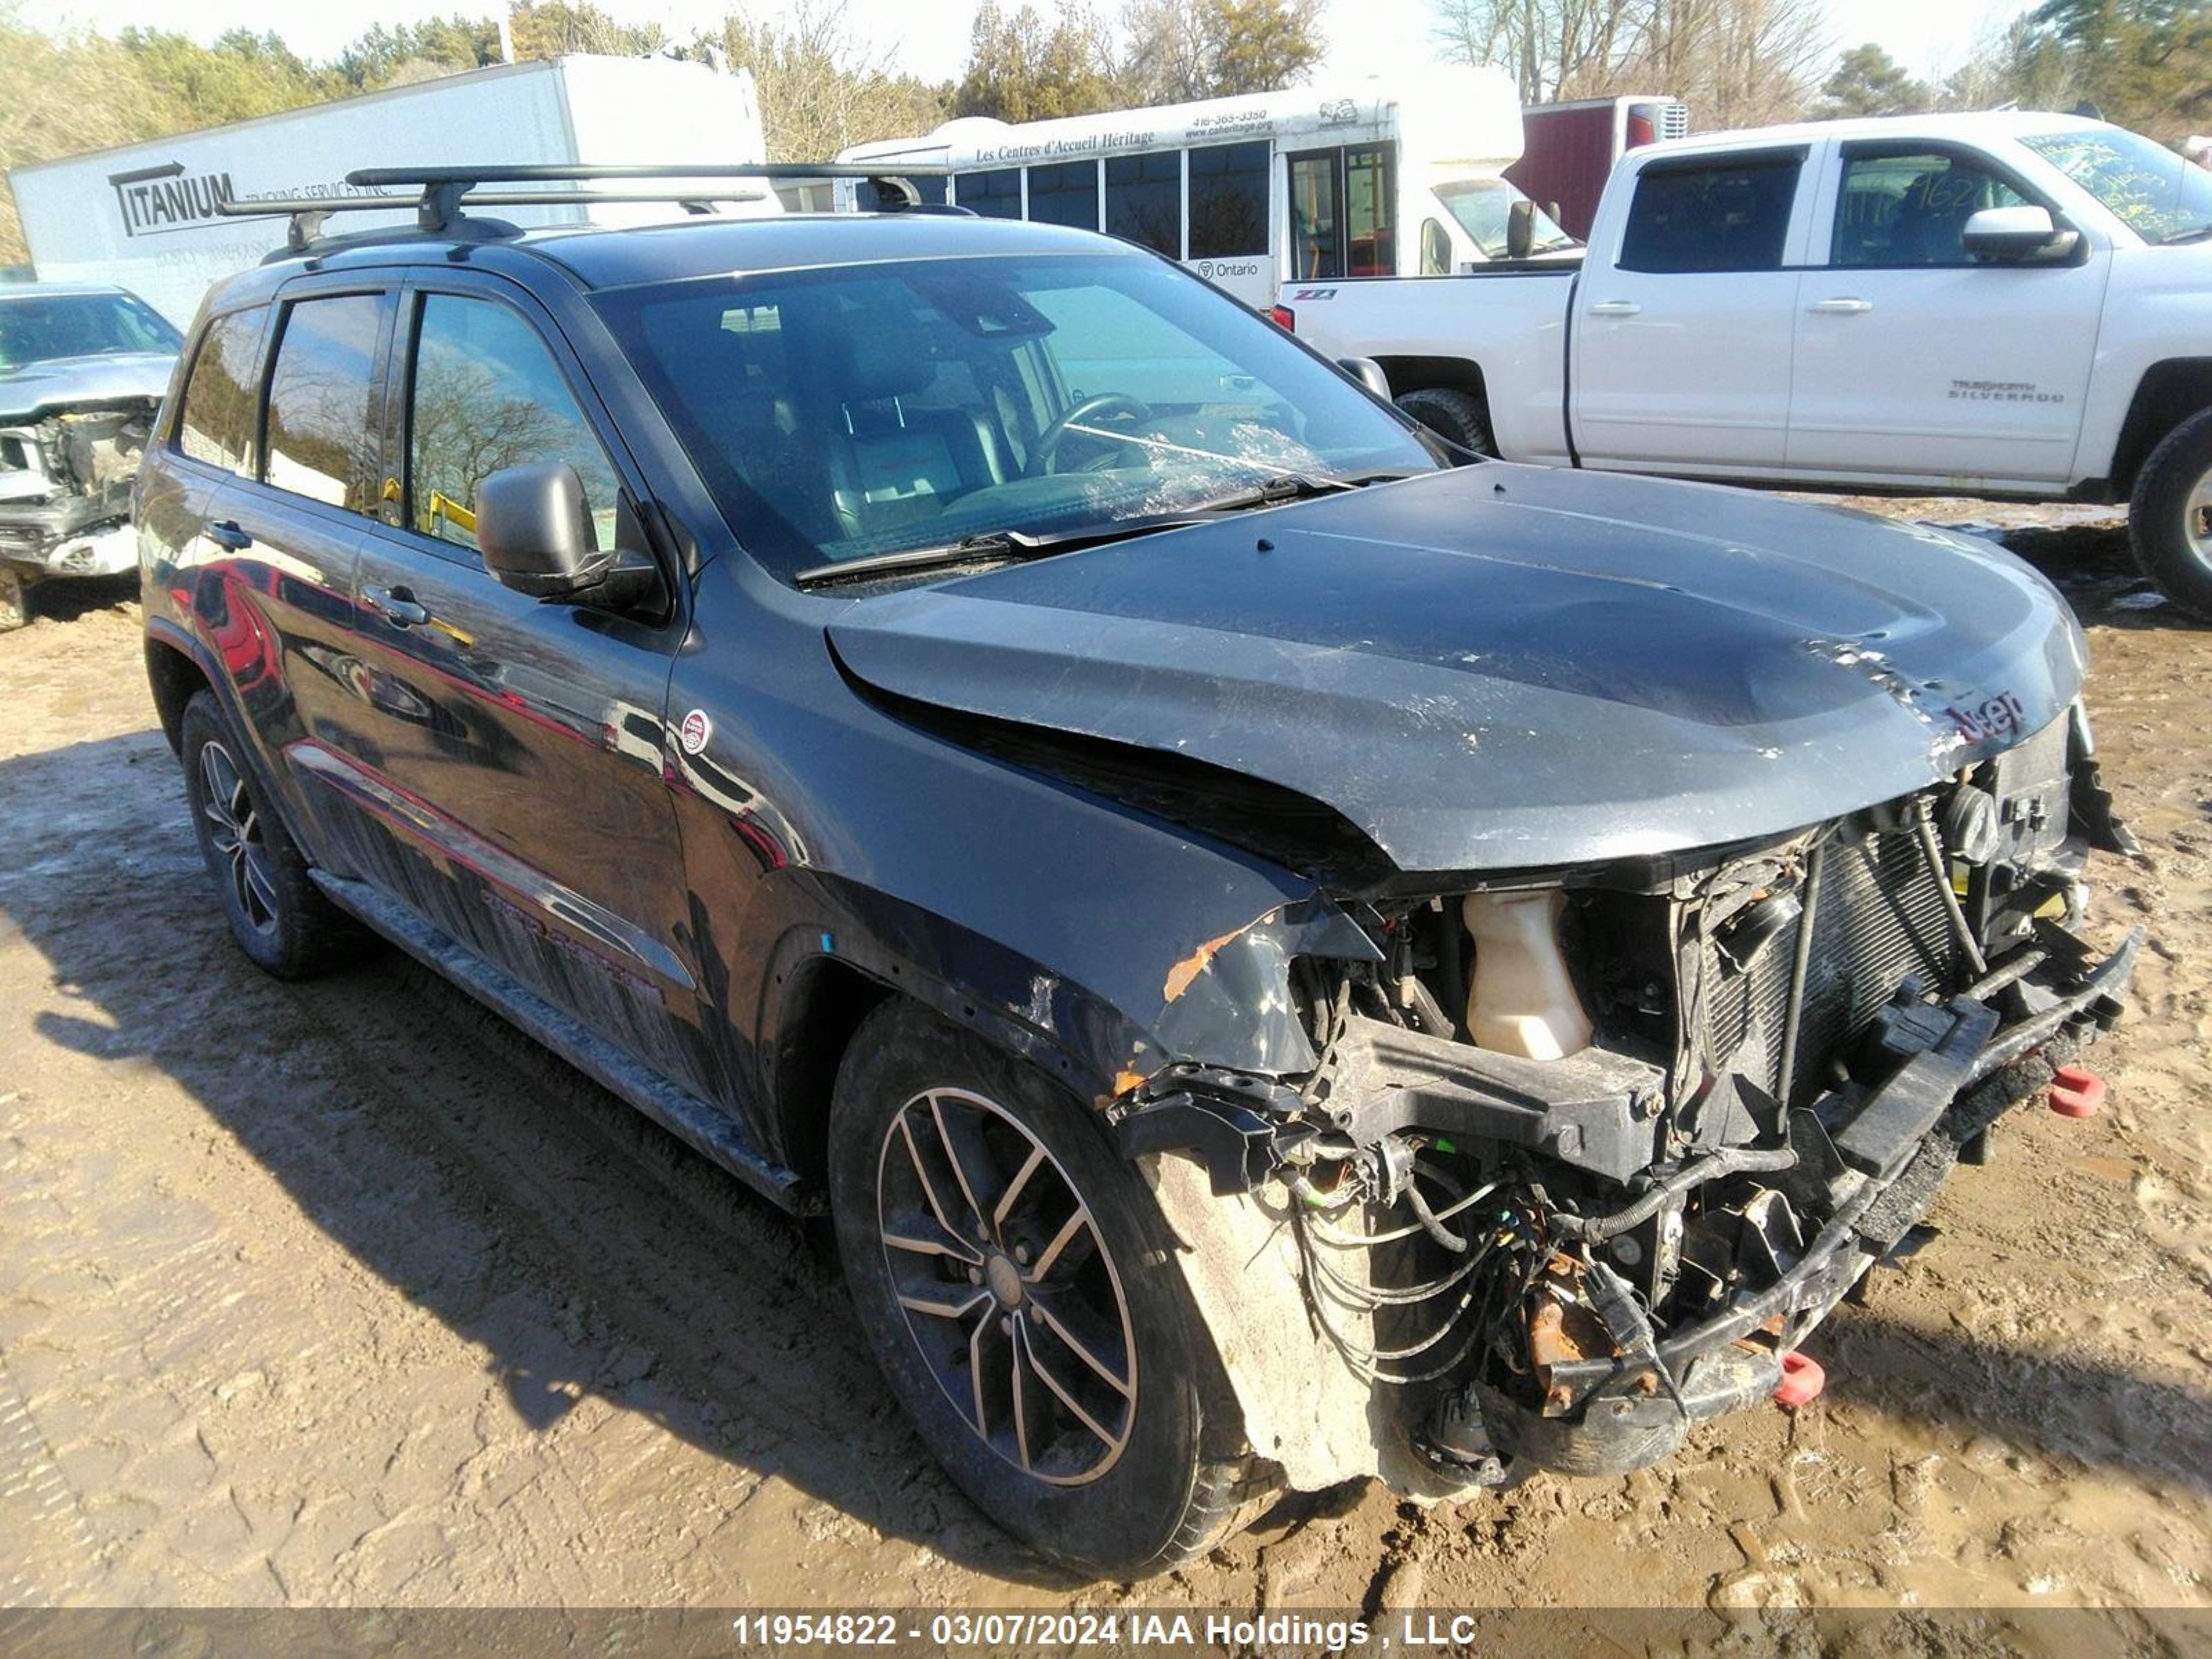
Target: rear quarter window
222 397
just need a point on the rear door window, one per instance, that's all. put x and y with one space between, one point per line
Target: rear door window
222 397
1729 213
324 435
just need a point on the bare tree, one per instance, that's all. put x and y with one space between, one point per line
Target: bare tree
1738 62
821 88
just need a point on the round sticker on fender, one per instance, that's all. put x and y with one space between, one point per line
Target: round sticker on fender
695 731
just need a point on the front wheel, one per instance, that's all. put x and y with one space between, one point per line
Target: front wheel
2170 520
1010 1273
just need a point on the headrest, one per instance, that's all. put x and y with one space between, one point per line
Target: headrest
881 363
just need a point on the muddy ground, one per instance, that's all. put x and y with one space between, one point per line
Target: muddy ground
334 1293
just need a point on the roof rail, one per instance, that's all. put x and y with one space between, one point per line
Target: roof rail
447 190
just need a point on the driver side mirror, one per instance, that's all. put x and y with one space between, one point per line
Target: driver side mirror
1520 228
1369 374
535 533
2014 234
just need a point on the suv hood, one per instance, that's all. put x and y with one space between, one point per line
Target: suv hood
76 382
1513 667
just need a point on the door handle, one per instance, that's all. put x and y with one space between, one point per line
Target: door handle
395 604
1842 308
226 533
1615 308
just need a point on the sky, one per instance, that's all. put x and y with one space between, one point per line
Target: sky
929 38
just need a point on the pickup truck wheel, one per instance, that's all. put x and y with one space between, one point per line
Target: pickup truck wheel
2170 520
15 599
1010 1272
1458 416
278 914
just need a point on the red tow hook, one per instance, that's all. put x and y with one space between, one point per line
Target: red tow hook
1803 1379
2076 1092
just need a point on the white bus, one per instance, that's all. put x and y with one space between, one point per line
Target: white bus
1400 177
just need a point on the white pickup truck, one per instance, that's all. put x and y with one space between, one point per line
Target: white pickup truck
2005 305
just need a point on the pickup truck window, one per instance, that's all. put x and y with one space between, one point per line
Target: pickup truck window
842 413
1902 208
220 399
2161 196
1726 213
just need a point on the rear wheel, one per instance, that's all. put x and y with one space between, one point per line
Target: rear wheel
1009 1271
278 914
1459 417
2170 520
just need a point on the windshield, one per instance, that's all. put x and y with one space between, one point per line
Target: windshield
2158 195
852 412
1484 208
38 327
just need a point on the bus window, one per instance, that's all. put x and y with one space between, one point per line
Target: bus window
1066 194
1228 200
929 189
1143 200
1368 200
994 195
1316 223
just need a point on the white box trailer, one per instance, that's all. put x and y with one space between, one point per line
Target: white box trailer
142 216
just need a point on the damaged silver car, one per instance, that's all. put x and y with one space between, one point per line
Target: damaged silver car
82 371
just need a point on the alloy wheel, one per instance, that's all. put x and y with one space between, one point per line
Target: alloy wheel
234 832
2196 519
1007 1287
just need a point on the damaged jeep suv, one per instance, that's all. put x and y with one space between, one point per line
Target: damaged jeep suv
81 373
1288 952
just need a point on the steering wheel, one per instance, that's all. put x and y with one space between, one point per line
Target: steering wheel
1106 403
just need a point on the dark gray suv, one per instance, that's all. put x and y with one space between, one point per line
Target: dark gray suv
1289 952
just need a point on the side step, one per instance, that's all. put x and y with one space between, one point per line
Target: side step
706 1130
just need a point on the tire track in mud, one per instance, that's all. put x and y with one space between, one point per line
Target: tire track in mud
38 1508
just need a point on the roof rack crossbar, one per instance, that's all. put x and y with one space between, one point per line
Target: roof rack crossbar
553 172
447 190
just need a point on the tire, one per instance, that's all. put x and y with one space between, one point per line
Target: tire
15 599
1458 418
2170 518
1119 1469
278 914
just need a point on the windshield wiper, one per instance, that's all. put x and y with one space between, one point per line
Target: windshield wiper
1295 487
1002 544
2195 234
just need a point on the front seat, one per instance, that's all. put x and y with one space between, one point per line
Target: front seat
891 465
